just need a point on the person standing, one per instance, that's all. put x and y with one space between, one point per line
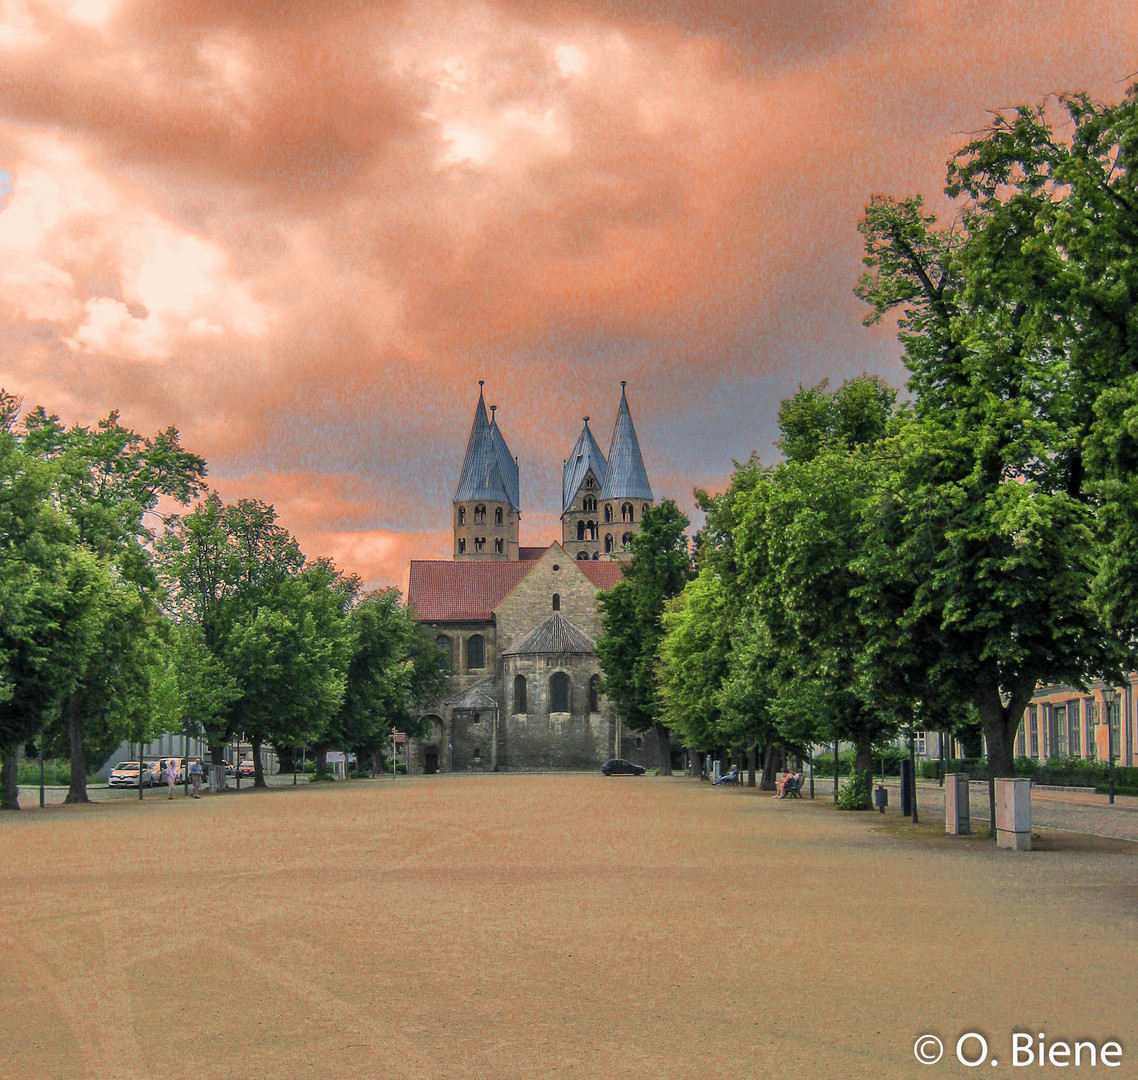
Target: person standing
196 776
171 777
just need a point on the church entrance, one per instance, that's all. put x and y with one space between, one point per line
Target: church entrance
431 760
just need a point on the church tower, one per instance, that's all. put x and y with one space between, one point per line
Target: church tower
486 511
582 477
625 493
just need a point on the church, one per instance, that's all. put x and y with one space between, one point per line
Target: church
517 625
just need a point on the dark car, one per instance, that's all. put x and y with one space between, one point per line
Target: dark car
620 767
245 767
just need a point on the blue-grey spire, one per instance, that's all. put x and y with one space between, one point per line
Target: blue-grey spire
481 476
507 464
585 455
626 477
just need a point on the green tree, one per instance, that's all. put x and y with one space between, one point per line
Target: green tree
631 620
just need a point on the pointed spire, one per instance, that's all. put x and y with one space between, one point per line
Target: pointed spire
481 476
585 455
507 463
626 477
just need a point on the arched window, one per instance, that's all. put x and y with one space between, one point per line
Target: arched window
462 515
476 652
498 515
559 692
479 514
643 510
580 530
520 694
626 511
595 694
462 545
582 556
608 513
626 541
498 545
556 601
479 543
442 644
591 530
590 504
608 543
596 555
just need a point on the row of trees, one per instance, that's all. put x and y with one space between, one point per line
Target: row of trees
906 564
118 622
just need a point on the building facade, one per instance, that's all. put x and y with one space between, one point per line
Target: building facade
517 625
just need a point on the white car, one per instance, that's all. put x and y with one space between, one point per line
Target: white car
126 774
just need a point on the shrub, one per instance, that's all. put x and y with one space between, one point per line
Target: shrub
854 794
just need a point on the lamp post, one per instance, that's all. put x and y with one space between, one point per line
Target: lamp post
1110 700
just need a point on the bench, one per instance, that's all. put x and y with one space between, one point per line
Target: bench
794 787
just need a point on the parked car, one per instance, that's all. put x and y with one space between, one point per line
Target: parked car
245 768
620 767
155 765
127 773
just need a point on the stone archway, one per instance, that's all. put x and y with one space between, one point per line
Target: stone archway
430 760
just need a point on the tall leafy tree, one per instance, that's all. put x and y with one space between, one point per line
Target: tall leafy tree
631 615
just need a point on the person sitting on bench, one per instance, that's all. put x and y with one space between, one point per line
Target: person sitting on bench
731 777
788 777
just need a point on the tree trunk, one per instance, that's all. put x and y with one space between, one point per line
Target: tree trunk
320 755
258 767
770 767
9 786
77 792
752 753
664 740
863 764
1000 724
286 755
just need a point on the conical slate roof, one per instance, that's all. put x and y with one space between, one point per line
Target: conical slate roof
585 455
483 473
555 635
626 477
507 466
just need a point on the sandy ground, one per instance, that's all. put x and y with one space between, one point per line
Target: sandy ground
525 926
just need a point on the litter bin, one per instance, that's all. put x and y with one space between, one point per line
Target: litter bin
881 797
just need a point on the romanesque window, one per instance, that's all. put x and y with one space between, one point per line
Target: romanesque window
608 513
498 516
462 545
626 511
582 556
499 545
595 694
556 601
591 530
479 543
626 541
479 514
559 692
442 644
476 652
608 543
580 530
644 510
590 504
462 515
520 694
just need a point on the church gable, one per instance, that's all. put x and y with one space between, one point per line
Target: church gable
556 579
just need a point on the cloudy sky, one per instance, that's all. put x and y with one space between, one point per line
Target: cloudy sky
302 232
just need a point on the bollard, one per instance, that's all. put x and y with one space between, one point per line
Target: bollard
956 817
1013 814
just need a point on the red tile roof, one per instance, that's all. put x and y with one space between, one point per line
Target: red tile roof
529 554
602 573
461 591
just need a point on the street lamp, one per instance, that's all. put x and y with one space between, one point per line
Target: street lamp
1109 700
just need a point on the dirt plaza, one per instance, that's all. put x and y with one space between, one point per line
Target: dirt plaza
536 925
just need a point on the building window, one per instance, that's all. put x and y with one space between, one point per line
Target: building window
1092 712
1059 731
580 530
608 513
442 644
479 543
498 515
626 541
520 694
498 545
919 744
479 514
1020 740
1074 726
591 530
559 692
1033 724
462 515
608 543
595 694
590 504
476 652
462 545
644 510
556 601
626 511
582 556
